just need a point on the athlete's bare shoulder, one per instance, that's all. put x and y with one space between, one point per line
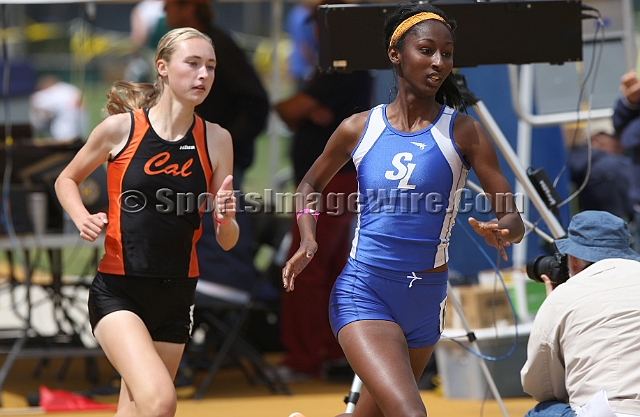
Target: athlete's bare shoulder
220 145
116 124
111 134
350 131
468 133
355 123
217 135
464 122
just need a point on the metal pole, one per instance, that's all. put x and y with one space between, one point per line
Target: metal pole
542 120
474 345
475 187
512 159
274 136
11 357
523 150
354 394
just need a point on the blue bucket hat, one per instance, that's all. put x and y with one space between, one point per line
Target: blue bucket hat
597 235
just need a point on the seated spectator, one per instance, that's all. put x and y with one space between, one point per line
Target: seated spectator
57 110
607 188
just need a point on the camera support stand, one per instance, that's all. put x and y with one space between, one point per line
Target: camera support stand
471 337
510 156
520 173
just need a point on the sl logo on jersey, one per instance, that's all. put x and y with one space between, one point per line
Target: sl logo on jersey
403 172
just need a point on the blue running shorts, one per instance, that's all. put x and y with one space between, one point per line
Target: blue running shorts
416 302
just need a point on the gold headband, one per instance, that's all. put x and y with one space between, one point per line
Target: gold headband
412 21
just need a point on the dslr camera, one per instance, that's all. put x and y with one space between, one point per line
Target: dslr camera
555 266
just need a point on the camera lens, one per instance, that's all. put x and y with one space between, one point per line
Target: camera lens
554 266
542 265
532 267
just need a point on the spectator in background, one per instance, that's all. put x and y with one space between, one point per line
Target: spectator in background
607 188
626 121
56 110
301 27
148 24
145 17
313 114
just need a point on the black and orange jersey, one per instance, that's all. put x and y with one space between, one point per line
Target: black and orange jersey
157 193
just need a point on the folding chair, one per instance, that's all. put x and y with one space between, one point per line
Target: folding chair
224 309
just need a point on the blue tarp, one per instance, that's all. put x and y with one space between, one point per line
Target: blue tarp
22 78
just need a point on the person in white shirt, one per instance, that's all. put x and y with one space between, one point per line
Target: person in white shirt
56 110
586 334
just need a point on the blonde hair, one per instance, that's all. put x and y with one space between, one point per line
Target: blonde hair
125 96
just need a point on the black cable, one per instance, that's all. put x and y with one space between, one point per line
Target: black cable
5 209
587 7
593 67
5 213
470 336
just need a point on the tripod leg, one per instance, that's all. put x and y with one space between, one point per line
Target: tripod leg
514 163
63 369
483 366
42 363
91 370
354 394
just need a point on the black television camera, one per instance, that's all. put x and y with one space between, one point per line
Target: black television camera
555 266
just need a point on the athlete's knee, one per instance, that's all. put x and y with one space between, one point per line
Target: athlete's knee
408 410
414 413
161 403
159 407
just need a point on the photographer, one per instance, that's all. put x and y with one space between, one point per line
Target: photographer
585 336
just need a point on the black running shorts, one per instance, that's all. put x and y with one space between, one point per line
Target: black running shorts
164 305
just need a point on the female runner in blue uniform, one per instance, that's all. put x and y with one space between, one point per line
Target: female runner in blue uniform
412 157
164 162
